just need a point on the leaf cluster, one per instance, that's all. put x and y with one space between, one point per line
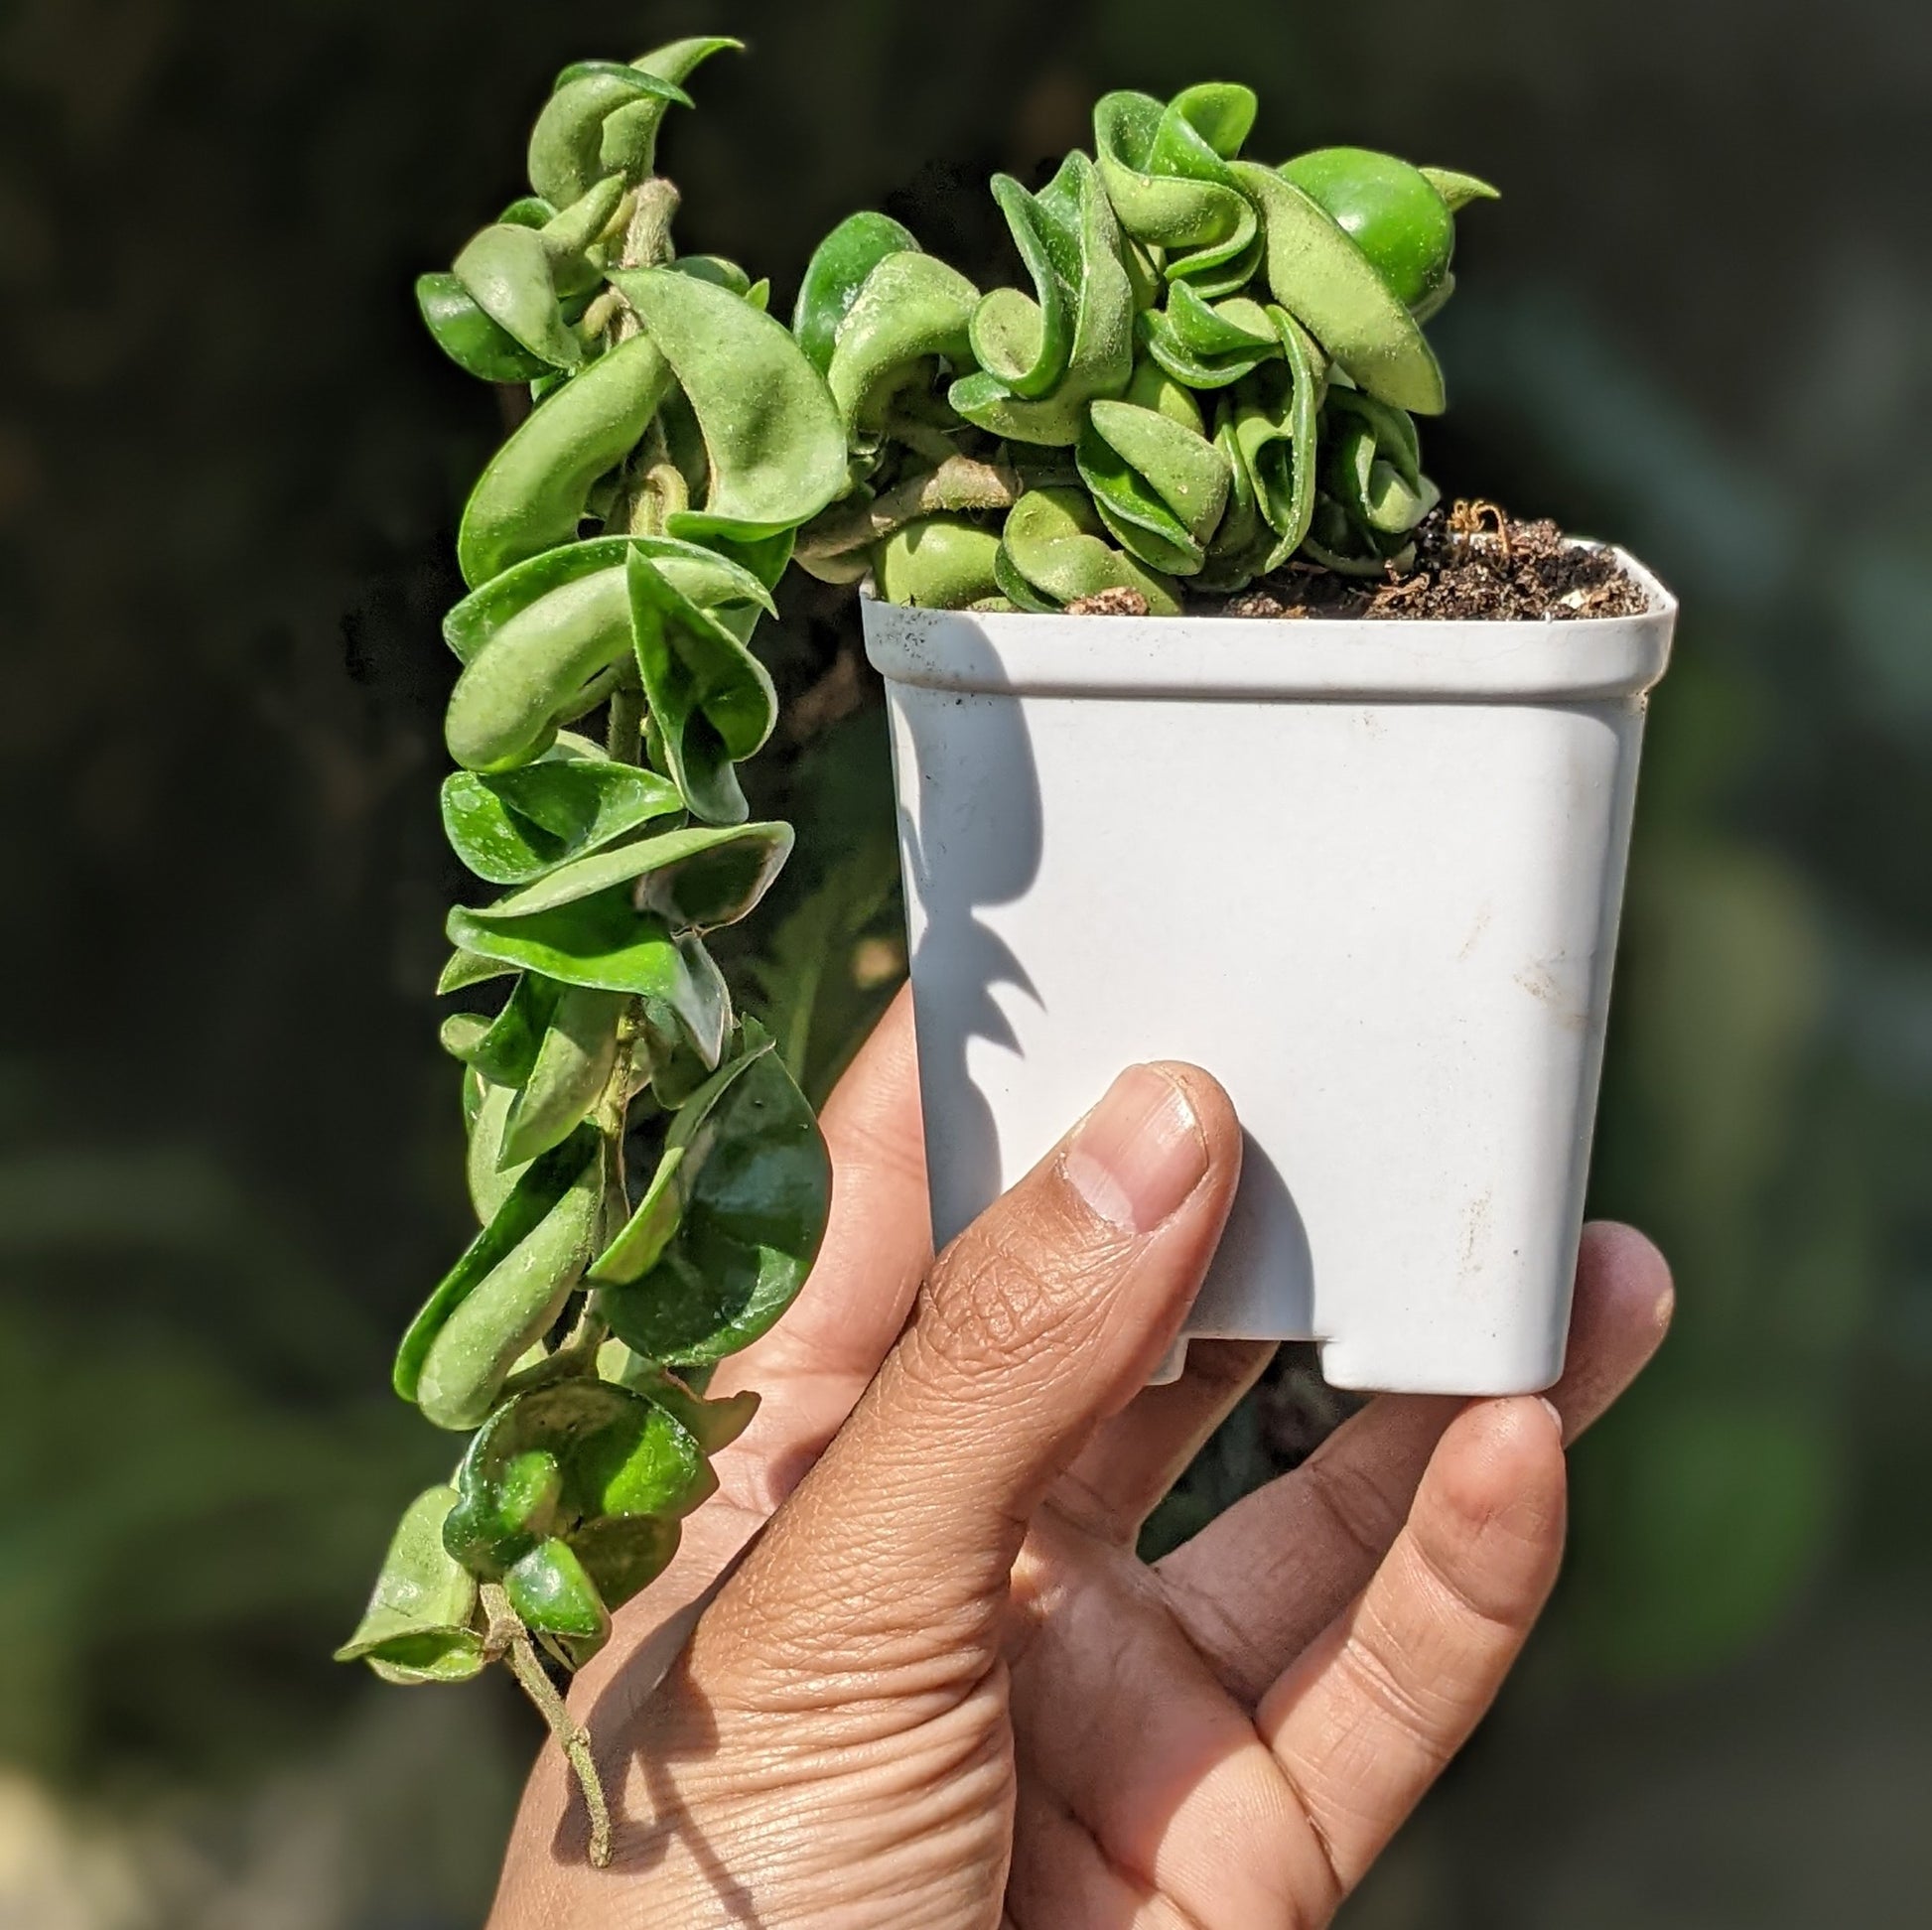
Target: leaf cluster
1214 372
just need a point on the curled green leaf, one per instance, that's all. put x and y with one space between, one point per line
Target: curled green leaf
555 1462
775 445
911 313
506 271
1053 545
1391 210
517 825
697 879
532 496
1153 477
938 563
459 1346
566 153
1167 173
712 702
1100 358
476 345
567 1075
755 1185
835 274
1323 279
605 941
418 1626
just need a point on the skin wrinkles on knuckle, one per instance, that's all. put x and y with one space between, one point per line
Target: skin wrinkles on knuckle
1353 1502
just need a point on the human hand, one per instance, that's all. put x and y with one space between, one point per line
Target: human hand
940 1690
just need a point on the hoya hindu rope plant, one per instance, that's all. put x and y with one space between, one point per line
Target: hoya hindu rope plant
1366 865
650 1186
1311 857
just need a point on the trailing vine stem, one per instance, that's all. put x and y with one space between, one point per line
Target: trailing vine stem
507 1640
571 1340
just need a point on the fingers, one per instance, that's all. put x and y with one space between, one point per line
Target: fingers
1044 1317
1138 1456
1260 1582
1364 1721
813 1364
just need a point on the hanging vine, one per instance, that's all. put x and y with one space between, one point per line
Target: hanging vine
649 1185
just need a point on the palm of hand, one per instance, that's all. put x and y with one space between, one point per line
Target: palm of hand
933 1686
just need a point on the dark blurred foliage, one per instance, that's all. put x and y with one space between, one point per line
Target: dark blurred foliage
229 465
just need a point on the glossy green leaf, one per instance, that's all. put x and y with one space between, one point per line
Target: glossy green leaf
476 345
938 563
912 313
464 969
418 1624
1052 538
554 1597
1323 279
835 274
532 495
551 1463
1100 360
605 941
696 879
712 702
568 1075
518 824
641 1241
713 1423
505 1051
477 618
756 1185
1391 210
507 273
773 437
566 153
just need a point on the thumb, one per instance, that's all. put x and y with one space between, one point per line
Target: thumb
1043 1318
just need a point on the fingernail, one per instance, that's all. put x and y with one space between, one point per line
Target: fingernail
1139 1153
1556 1417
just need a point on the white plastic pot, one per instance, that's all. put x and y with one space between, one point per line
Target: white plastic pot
1366 872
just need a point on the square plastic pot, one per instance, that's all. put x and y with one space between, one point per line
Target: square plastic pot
1368 874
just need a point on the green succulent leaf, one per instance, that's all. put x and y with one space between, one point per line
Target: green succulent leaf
756 1186
533 494
1323 279
1391 210
418 1626
507 272
505 1289
1054 544
567 1075
938 563
566 153
504 1052
476 345
776 444
1166 167
696 880
712 702
517 825
605 941
911 313
836 273
556 1461
1100 359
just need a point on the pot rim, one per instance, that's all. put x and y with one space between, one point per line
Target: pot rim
1314 659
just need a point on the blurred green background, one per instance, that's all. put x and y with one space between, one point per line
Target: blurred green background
229 465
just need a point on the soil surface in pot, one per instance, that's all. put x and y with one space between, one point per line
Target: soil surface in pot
1471 561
